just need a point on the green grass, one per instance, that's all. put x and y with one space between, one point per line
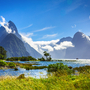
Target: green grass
29 66
59 80
64 82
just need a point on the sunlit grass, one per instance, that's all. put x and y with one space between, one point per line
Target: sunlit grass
60 82
60 79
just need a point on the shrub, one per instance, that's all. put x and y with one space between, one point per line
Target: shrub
41 59
59 66
11 64
1 56
27 68
21 76
2 63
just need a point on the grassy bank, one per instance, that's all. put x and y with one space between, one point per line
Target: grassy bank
29 66
64 82
61 79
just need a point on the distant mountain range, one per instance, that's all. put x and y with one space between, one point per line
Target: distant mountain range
80 49
67 47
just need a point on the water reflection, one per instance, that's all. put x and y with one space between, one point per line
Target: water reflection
36 73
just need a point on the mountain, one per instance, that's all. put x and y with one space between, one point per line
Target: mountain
29 49
81 47
67 47
10 27
64 39
3 33
32 51
58 54
80 39
14 46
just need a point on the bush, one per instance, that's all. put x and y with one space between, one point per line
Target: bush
2 63
21 76
59 66
41 59
21 58
11 64
1 56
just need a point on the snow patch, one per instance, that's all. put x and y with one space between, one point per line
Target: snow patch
84 36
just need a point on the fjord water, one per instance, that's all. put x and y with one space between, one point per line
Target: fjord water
37 73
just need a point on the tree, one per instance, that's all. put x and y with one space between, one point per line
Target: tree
47 54
2 53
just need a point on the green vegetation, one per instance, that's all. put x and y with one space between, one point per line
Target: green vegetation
29 58
21 76
22 65
29 66
2 53
60 82
46 55
83 69
2 63
11 64
60 79
41 59
59 67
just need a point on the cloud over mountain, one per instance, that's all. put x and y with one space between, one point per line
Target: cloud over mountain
5 26
67 47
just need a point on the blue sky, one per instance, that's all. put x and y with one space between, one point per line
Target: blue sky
45 20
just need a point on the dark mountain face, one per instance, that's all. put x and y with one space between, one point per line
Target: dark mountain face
4 33
64 39
14 46
29 49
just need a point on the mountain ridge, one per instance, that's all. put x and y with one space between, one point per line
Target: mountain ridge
14 46
14 31
66 47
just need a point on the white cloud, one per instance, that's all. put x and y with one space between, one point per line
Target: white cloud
45 45
49 36
5 26
46 42
26 27
3 21
26 34
64 45
44 29
83 35
74 26
39 45
48 47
